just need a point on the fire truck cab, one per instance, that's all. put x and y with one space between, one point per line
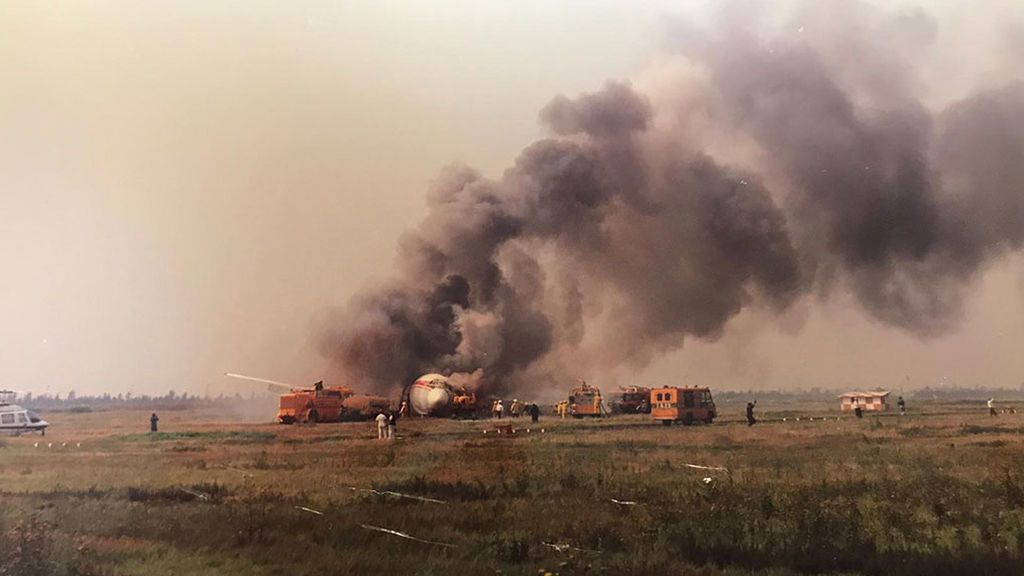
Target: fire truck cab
585 400
686 405
304 405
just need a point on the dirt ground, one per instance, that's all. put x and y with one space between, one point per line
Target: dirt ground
806 490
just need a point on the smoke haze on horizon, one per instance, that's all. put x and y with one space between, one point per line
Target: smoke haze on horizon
680 215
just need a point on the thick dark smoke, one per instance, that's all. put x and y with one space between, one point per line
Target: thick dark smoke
619 236
881 206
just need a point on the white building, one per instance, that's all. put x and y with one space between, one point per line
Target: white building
868 401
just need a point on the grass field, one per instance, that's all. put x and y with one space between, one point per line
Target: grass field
939 491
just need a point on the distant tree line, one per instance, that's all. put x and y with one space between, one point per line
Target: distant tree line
812 394
964 393
951 393
170 401
174 400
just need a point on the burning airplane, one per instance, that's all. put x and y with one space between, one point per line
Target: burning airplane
436 395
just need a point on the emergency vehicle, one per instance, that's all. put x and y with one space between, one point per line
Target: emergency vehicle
686 405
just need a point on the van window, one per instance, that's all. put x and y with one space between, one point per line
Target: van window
6 418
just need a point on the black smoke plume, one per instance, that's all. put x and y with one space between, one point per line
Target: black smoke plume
621 234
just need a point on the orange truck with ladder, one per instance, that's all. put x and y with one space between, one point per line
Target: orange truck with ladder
686 405
585 400
319 403
333 404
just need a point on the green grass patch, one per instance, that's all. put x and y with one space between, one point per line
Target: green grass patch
227 436
203 491
975 429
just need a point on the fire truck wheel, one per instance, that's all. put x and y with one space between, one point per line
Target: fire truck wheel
311 418
666 422
708 419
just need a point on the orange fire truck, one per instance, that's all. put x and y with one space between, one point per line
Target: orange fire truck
686 405
585 400
319 403
632 400
333 404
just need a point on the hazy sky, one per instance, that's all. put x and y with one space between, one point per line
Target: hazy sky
185 187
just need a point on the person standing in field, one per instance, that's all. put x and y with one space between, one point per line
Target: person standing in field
392 425
903 406
500 409
534 411
152 422
991 407
750 413
382 426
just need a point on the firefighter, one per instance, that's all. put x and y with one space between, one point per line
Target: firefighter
152 422
991 406
382 425
534 411
500 409
318 387
857 411
403 410
903 406
750 413
516 409
643 408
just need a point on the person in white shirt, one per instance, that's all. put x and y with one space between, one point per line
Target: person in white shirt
991 406
382 426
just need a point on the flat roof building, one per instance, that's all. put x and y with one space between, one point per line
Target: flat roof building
873 401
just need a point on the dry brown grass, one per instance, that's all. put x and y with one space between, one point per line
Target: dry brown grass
879 495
